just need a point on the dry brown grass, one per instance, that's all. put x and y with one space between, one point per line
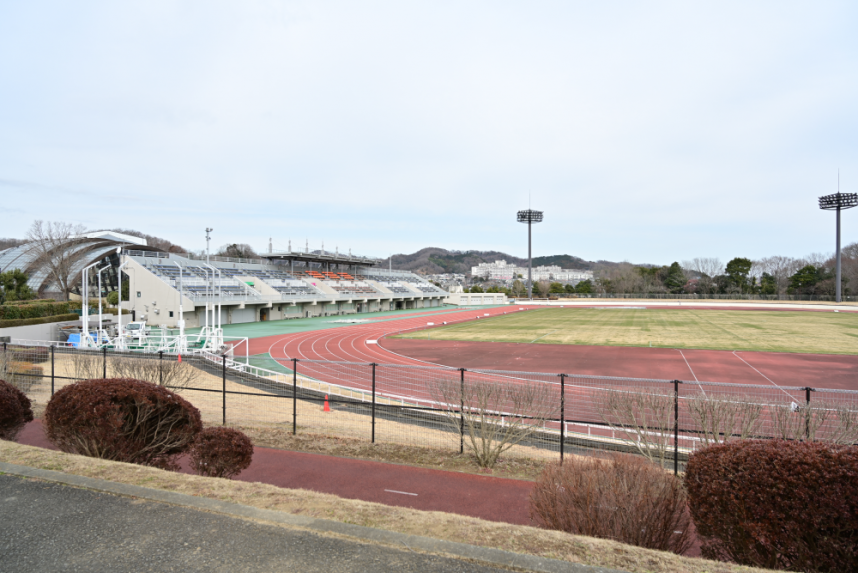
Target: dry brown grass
520 539
271 436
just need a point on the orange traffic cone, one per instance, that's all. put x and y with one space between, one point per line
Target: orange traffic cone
327 407
180 357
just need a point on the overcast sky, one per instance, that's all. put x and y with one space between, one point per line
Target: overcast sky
646 131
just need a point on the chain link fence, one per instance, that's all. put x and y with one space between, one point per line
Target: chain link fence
483 412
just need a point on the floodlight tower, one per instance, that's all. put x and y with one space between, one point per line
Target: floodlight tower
530 217
838 202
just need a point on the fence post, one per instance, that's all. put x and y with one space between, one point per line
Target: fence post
104 362
462 415
223 361
676 384
5 360
161 368
373 401
562 415
294 396
807 392
53 372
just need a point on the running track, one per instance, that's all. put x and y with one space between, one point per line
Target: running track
353 344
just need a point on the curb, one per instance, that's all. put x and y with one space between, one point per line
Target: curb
482 554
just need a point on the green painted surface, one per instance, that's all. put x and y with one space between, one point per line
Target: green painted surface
771 331
290 326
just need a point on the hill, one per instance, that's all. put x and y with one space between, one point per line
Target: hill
434 260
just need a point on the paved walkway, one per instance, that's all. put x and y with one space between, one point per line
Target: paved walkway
485 497
49 527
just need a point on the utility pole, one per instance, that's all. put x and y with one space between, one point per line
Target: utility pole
530 217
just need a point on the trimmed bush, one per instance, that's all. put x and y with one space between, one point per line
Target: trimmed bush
777 504
221 452
41 310
30 301
621 497
123 420
30 321
15 411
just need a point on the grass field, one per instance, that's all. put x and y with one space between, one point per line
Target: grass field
772 331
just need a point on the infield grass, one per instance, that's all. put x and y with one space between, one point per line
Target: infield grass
769 331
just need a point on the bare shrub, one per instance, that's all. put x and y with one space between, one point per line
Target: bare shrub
643 415
15 411
87 365
821 420
723 418
221 452
20 374
623 497
496 415
170 373
122 420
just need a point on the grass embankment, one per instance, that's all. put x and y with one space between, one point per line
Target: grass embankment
757 330
451 527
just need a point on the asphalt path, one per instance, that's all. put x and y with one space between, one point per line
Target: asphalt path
481 496
48 527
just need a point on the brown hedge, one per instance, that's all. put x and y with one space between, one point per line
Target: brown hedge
221 452
777 504
15 411
123 420
32 354
621 497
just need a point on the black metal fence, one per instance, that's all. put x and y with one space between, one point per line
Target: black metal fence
547 415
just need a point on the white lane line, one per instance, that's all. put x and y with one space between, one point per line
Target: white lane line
763 375
692 372
543 336
402 492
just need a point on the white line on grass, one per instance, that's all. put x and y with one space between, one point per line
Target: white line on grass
543 336
402 492
763 375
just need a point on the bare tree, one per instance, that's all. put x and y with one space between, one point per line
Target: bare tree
779 267
53 243
642 415
496 415
723 418
706 266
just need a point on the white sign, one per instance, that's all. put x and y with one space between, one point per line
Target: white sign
372 341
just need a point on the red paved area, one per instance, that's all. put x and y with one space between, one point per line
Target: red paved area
353 344
784 369
485 497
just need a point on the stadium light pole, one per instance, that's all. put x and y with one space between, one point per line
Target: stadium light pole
208 241
838 202
530 217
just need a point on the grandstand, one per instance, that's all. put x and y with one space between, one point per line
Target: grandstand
276 286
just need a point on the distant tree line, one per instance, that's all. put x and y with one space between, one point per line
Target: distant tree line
777 275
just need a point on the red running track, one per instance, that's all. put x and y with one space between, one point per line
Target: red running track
484 497
350 344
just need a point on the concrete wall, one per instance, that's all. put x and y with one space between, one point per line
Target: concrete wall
462 299
157 299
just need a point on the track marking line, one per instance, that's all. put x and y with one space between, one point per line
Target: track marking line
692 371
763 375
402 492
543 336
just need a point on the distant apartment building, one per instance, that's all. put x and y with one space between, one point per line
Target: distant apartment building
503 271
